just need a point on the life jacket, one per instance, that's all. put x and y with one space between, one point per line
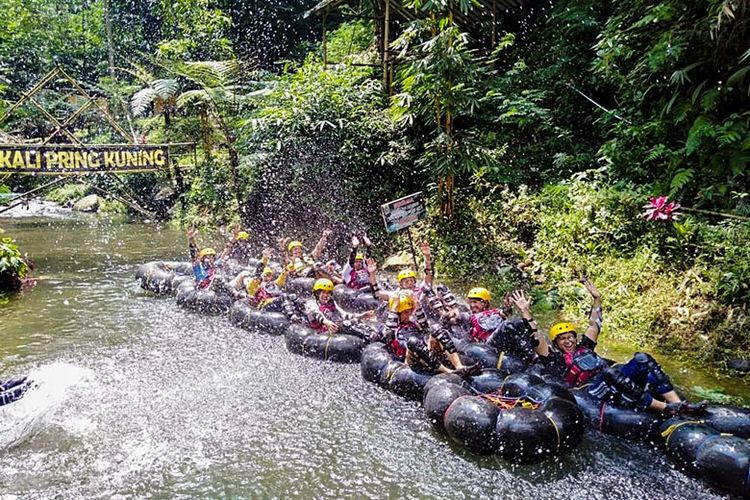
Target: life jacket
206 282
397 345
581 366
266 293
484 323
358 279
330 312
303 266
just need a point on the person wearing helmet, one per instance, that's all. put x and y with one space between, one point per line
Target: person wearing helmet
325 315
484 318
301 264
633 384
414 343
355 272
241 251
407 278
205 262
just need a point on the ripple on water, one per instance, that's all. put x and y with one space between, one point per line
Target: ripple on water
189 406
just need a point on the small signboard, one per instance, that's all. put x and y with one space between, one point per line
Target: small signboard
404 212
65 158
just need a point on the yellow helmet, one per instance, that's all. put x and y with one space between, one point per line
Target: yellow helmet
560 328
206 251
359 256
242 235
479 293
294 244
267 270
406 273
405 303
323 285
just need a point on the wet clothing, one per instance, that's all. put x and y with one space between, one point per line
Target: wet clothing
13 389
302 267
204 276
354 278
578 367
317 313
484 324
262 293
428 356
631 383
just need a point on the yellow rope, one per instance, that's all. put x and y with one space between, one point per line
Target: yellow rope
500 359
667 433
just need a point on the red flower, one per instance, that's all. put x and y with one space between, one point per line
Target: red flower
661 209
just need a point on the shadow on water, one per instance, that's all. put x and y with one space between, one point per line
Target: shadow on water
173 403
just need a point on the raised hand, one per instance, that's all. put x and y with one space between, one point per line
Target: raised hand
366 240
355 241
267 253
191 232
282 242
372 266
521 300
424 247
591 288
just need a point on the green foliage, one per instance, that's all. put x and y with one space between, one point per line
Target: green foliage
67 194
13 267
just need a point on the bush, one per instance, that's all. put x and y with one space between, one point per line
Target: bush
676 287
67 194
13 267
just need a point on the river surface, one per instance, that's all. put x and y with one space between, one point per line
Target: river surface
139 398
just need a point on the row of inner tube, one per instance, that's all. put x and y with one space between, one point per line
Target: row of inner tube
511 409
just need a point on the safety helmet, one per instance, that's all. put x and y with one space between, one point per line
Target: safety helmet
406 273
323 285
242 235
267 270
479 293
359 256
560 328
294 244
405 303
206 251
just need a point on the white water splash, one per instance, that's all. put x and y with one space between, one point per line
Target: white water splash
24 418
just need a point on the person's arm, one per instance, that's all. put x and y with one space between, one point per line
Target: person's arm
595 317
523 303
229 245
282 243
315 254
281 279
429 272
368 246
353 253
314 314
372 270
192 247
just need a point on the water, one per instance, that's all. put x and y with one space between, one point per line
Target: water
139 398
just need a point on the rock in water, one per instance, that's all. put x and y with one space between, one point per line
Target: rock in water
88 203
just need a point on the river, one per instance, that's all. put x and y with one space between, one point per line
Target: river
140 398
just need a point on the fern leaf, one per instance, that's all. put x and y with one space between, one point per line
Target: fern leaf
141 100
680 179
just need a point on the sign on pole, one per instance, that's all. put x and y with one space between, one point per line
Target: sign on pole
67 158
404 212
